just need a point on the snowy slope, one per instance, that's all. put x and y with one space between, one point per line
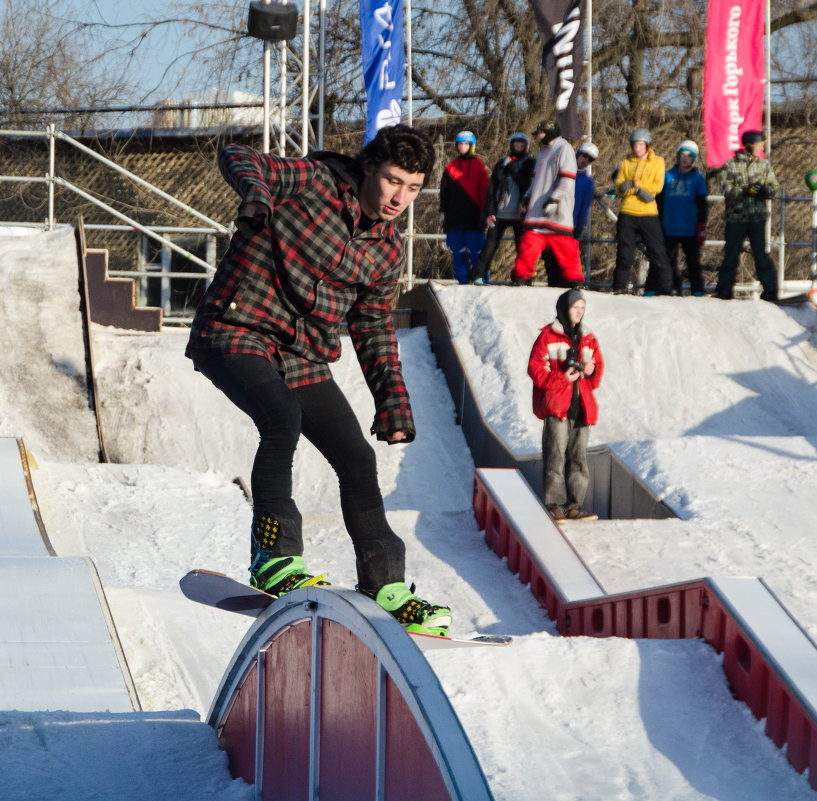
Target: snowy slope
555 718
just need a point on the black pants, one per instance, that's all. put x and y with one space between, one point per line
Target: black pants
628 230
692 254
734 235
322 413
492 239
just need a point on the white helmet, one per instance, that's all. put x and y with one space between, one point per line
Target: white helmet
688 146
589 149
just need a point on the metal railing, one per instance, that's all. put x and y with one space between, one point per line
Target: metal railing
210 228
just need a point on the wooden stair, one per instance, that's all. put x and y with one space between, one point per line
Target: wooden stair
112 301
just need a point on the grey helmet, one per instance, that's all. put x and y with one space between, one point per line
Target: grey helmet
589 149
641 135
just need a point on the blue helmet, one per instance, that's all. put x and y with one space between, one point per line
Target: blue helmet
465 136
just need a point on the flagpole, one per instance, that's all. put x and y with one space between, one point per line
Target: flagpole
588 47
410 99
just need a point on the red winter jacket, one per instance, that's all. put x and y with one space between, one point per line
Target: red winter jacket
552 392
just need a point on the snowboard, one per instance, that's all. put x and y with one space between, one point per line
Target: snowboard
222 592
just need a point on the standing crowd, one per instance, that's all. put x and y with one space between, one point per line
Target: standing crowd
546 201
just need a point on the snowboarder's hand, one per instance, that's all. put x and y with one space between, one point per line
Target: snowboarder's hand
700 233
252 217
589 368
441 218
396 436
644 196
573 375
491 221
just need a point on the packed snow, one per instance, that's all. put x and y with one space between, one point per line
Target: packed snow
711 403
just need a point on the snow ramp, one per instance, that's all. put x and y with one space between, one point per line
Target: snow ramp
60 647
327 691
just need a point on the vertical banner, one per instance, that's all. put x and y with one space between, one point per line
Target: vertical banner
384 62
733 75
561 26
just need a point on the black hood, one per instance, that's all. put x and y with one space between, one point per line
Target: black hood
346 168
563 304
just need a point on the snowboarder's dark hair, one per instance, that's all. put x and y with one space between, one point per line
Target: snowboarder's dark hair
408 148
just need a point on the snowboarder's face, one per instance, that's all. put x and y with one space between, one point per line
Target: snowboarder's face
518 147
685 161
582 160
576 312
463 148
387 190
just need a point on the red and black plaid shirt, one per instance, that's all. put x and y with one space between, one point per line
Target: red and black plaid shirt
284 292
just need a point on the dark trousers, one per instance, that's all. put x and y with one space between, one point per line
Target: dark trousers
628 231
322 413
492 239
734 235
564 457
692 254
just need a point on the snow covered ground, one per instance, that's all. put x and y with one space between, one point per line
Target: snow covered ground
711 403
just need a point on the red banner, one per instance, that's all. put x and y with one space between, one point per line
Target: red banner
733 75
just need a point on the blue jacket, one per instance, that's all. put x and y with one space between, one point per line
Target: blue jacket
682 203
585 192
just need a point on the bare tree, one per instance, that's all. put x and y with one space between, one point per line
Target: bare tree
48 62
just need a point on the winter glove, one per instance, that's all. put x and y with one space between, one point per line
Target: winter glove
700 233
644 196
624 187
491 220
252 218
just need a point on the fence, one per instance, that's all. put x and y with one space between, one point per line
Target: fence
158 265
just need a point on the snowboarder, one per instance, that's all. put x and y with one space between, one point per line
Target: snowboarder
566 366
548 213
510 180
683 208
463 190
747 182
316 246
640 177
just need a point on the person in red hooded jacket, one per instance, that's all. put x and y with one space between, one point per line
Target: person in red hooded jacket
566 366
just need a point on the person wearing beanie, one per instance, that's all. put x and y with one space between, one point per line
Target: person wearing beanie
463 189
747 182
639 179
548 213
683 208
510 179
566 366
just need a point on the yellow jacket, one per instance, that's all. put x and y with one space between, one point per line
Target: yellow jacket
649 174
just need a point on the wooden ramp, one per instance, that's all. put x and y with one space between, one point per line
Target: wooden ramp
60 647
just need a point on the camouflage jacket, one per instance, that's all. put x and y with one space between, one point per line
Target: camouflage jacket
737 175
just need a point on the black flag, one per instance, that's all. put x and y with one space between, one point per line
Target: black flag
561 26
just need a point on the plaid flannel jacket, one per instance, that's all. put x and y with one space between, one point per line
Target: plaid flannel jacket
284 292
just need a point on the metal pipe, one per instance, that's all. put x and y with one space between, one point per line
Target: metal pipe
203 217
138 226
322 60
410 98
307 43
51 167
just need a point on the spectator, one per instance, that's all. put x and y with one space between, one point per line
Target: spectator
462 200
566 366
548 209
747 182
510 180
639 179
683 209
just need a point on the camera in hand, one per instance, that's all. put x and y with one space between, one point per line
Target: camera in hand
572 361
